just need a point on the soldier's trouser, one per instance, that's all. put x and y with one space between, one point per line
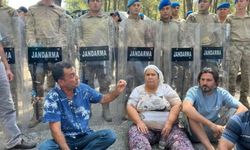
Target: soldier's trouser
66 56
104 79
239 54
7 111
181 78
103 76
38 72
134 76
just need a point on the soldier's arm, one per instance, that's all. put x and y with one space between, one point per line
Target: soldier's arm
30 28
112 31
15 26
216 19
64 26
57 134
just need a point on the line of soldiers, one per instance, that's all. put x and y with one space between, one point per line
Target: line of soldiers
96 34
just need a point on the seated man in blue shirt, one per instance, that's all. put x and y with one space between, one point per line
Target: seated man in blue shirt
67 109
205 106
237 132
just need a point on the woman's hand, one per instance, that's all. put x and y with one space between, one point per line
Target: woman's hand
166 130
141 126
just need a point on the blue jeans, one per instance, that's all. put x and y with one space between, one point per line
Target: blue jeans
99 140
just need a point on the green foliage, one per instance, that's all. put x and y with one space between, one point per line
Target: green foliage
5 2
72 5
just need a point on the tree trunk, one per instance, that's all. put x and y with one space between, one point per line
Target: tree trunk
189 5
184 9
214 6
105 5
125 4
109 5
115 5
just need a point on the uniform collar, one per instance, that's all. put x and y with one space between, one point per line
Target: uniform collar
203 12
132 17
99 15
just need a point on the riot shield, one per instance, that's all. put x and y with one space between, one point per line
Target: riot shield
179 43
95 39
214 42
10 29
47 41
136 51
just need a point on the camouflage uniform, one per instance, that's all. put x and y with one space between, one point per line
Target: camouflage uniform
239 54
178 19
208 37
97 31
46 26
134 32
176 73
9 24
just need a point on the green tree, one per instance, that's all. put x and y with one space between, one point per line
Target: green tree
4 2
72 5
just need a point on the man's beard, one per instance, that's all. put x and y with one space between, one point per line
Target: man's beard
206 89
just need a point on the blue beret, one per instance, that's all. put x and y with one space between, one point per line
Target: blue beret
131 2
175 4
164 3
223 5
189 12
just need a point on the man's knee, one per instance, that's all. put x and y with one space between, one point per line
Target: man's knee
109 136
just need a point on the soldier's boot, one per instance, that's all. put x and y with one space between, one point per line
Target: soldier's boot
37 112
106 113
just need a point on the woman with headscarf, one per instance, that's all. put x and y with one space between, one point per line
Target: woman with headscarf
154 108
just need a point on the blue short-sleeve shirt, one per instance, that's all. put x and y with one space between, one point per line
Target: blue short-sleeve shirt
237 131
73 114
209 105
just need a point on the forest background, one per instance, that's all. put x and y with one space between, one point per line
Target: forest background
150 7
